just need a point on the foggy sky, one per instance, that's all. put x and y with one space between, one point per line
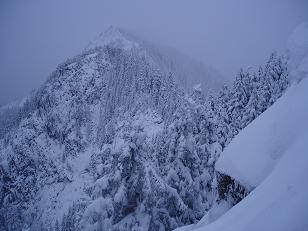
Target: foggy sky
36 36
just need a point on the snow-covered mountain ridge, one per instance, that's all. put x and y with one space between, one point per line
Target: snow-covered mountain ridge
187 71
113 141
116 37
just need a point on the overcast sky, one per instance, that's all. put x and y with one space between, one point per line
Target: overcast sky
37 35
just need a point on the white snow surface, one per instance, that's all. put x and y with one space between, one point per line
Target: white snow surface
55 200
271 155
251 156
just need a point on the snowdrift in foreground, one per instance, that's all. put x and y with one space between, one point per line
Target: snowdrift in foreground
251 156
271 153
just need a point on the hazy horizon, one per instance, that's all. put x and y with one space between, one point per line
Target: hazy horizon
36 36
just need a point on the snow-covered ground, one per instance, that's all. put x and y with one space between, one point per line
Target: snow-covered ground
271 155
252 155
279 203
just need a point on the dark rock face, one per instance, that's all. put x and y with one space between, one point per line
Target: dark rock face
229 189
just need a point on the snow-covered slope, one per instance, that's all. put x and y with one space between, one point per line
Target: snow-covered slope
271 155
267 139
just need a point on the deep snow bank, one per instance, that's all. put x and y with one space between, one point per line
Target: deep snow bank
251 156
271 154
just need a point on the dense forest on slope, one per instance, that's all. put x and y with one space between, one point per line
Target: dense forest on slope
113 141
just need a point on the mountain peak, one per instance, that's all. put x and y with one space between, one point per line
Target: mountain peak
188 71
114 36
